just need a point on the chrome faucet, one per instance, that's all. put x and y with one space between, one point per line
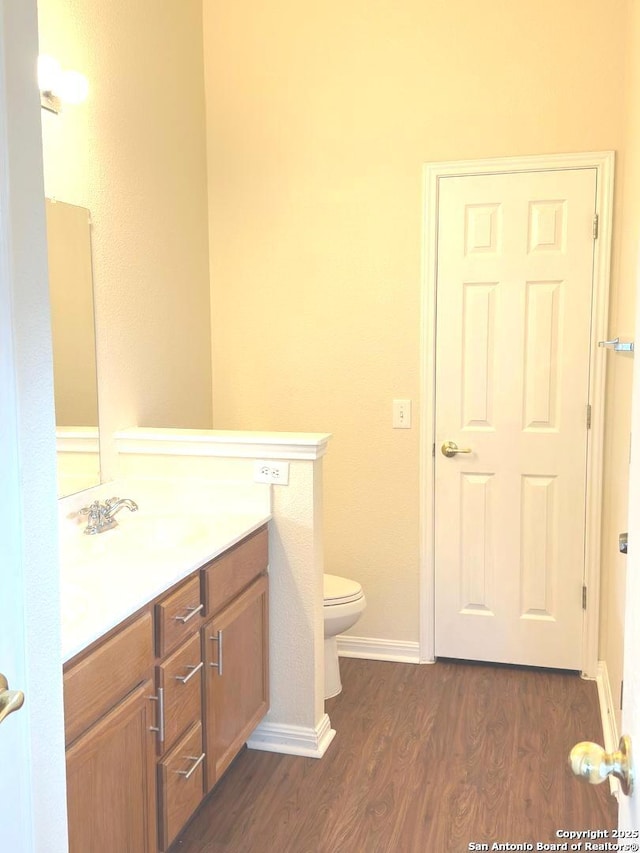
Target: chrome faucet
100 516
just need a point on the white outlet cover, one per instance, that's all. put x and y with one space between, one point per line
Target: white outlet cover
270 471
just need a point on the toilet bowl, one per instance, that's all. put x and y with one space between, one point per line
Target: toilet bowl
344 602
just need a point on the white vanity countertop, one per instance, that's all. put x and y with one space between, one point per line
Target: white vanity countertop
107 577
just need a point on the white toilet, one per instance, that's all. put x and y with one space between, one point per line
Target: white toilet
344 602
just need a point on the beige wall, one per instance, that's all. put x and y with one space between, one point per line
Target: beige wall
320 116
134 154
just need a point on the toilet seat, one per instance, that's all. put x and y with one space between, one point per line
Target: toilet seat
344 603
339 590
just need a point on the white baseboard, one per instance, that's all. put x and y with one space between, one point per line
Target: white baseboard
372 648
293 740
608 717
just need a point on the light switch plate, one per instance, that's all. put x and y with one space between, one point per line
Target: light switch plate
401 414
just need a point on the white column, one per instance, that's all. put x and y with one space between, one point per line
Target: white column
296 722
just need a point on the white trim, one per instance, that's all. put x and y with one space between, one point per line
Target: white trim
372 648
293 740
608 717
77 440
597 387
227 443
603 162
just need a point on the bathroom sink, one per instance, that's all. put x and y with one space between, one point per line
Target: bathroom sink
133 534
164 531
77 600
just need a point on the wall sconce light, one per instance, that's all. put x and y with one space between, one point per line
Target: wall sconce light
58 86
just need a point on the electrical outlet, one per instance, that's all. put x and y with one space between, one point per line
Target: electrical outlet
271 472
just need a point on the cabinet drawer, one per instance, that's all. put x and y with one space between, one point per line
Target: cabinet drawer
230 573
101 679
180 783
178 616
181 677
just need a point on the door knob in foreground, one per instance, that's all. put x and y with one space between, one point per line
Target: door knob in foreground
592 764
10 700
450 448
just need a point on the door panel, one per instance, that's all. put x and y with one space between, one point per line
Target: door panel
32 783
514 292
630 806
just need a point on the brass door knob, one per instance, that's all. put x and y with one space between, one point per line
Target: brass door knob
592 764
10 700
450 448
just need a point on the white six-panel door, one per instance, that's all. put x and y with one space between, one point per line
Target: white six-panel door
514 288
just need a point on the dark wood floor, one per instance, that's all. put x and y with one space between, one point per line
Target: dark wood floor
426 759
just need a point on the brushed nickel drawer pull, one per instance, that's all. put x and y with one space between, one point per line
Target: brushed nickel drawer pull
184 678
218 640
160 727
192 612
187 773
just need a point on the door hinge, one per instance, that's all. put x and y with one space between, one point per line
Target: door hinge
621 693
584 596
588 415
595 226
433 450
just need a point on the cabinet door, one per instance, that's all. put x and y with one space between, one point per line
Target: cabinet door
235 645
111 790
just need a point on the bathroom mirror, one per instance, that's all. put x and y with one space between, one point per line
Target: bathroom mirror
74 346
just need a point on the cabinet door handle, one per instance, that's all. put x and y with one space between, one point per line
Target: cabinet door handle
160 718
190 614
197 759
218 640
194 668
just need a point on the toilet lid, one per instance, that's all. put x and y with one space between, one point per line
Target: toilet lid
339 590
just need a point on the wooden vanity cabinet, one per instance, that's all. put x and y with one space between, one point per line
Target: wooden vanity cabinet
179 682
177 615
235 650
236 676
111 784
111 748
180 679
181 781
157 709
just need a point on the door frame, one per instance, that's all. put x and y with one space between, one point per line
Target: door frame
603 162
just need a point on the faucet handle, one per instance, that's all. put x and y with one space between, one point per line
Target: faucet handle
110 501
92 509
93 520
